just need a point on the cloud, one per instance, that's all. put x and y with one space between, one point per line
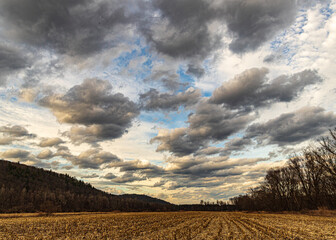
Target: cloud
194 28
127 178
109 176
292 128
176 141
28 94
204 172
50 142
154 101
182 30
94 133
27 158
71 27
255 22
15 153
209 151
14 133
93 175
104 115
92 158
208 167
45 154
231 146
42 68
210 122
273 58
6 140
236 145
160 183
213 122
11 60
251 89
177 28
136 166
166 75
195 70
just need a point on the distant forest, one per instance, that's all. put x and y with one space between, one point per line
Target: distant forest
307 181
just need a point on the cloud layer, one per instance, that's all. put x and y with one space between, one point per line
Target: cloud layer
187 98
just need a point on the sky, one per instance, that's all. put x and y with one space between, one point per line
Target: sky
184 100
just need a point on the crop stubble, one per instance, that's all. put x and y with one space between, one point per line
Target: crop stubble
169 225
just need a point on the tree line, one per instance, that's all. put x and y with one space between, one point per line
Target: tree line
307 181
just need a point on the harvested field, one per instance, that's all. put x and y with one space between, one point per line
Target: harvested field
169 225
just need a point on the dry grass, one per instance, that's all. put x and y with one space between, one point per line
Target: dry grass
171 225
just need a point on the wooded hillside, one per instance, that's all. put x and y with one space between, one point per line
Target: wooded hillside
30 189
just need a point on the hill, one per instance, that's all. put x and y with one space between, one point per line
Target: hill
144 198
29 189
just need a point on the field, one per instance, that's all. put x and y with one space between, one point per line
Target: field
171 225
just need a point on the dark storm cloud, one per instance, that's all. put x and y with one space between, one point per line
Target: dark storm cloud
104 115
153 100
210 122
74 27
11 60
295 127
251 89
